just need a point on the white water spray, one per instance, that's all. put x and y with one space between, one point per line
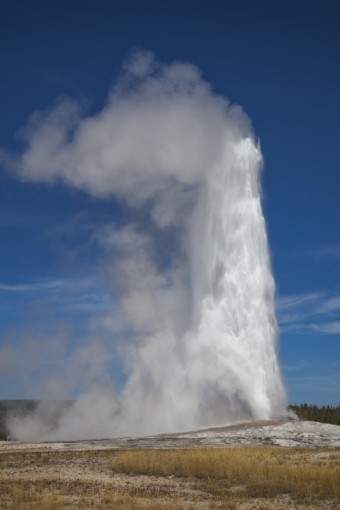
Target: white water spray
234 293
225 368
203 333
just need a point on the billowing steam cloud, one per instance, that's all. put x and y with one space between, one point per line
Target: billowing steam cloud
197 315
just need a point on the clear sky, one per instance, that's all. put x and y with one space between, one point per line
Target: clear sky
279 60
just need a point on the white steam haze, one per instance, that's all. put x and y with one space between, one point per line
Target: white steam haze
197 326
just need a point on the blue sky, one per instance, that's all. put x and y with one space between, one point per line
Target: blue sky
280 61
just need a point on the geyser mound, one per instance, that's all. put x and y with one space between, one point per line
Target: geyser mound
197 331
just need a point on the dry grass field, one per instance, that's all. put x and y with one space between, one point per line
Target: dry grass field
243 478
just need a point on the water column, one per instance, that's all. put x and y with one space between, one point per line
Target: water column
234 347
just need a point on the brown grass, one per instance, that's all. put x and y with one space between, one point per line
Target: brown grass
16 496
46 496
253 471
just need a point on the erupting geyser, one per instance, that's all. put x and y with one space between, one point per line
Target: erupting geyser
234 293
196 329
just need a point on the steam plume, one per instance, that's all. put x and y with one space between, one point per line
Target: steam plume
199 325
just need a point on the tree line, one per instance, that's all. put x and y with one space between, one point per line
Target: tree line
323 414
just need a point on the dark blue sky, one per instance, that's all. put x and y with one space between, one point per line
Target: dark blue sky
278 59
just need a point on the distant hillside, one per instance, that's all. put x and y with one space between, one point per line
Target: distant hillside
18 408
8 407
